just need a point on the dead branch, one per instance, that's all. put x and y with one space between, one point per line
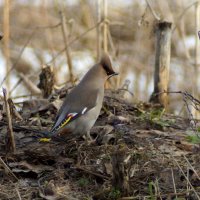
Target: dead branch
65 38
182 14
91 172
7 168
153 11
29 84
105 26
11 140
194 102
98 29
13 110
6 28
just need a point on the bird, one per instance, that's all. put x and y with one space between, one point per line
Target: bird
83 104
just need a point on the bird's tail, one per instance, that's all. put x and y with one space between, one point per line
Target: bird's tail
40 133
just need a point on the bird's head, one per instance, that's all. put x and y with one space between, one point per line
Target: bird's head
107 66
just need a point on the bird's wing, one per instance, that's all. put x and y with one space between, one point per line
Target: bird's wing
74 107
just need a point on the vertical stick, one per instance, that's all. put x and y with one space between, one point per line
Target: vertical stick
65 38
197 26
162 63
11 139
98 5
48 32
105 26
6 30
197 60
120 178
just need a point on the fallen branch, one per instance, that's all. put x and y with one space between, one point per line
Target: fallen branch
92 173
7 168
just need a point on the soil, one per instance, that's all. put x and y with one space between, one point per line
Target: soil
138 152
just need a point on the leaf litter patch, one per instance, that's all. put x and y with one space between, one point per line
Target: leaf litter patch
159 151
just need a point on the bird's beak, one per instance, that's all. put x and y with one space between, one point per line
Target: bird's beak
114 74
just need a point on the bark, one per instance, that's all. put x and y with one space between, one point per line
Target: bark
162 63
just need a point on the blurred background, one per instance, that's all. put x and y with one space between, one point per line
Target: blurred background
70 36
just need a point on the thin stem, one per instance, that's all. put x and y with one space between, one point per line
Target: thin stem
65 38
105 26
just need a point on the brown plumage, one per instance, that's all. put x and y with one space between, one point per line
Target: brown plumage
82 105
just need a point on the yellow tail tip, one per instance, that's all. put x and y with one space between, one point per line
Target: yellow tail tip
44 139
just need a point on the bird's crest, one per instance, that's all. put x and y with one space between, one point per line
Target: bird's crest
106 64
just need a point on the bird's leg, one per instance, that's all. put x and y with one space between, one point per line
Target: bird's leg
88 138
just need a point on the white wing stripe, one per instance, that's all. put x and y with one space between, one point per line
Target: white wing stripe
84 110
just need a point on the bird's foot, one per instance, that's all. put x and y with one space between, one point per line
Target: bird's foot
89 139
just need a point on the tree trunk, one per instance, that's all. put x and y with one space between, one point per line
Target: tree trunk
162 63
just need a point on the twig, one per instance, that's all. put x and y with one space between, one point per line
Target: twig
152 11
34 30
15 86
29 84
197 27
93 173
24 96
46 27
20 54
111 42
105 26
18 194
65 38
192 167
11 138
74 40
7 168
174 182
193 189
98 29
6 28
48 32
182 14
188 176
186 97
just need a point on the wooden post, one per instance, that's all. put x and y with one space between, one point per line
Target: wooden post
162 63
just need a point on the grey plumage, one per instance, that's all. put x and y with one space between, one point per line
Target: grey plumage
82 105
